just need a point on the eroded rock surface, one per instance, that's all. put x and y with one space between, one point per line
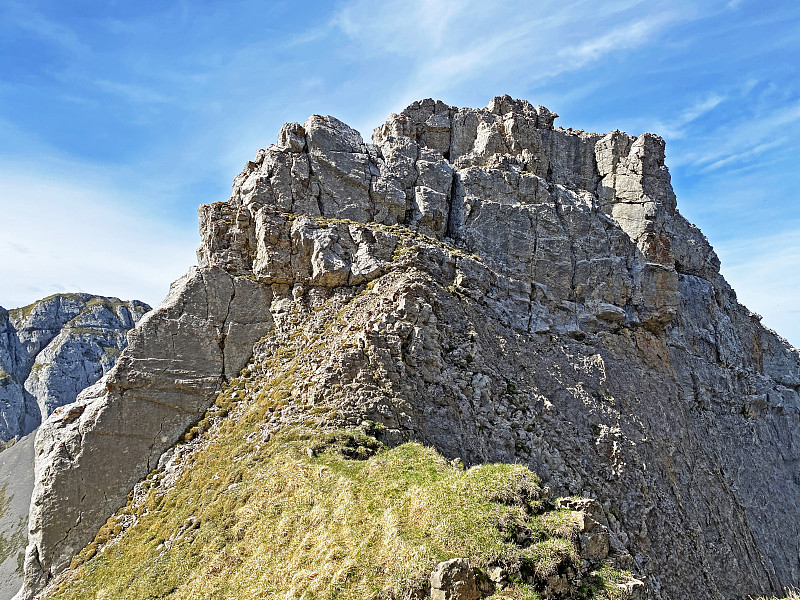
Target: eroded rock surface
481 281
16 486
454 580
90 454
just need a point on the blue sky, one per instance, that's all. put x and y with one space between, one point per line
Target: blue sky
118 118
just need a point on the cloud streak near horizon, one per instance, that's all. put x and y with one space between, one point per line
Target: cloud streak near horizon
124 117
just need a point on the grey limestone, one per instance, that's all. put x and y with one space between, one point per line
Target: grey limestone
510 291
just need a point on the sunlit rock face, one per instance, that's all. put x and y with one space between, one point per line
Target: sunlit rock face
512 291
52 349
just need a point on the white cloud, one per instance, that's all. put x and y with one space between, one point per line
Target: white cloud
765 272
74 234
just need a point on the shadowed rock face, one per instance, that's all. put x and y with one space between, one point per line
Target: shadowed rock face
52 349
16 486
533 294
90 452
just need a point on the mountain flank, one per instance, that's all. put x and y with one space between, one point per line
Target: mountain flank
16 487
50 350
477 281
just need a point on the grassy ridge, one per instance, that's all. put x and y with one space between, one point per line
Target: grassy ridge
275 522
309 514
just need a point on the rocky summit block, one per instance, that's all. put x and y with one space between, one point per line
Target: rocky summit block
483 282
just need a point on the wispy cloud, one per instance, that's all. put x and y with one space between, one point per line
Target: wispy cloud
89 241
765 272
401 27
739 157
676 128
749 134
131 92
471 43
626 36
24 16
19 248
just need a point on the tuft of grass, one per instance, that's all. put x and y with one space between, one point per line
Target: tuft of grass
607 580
792 593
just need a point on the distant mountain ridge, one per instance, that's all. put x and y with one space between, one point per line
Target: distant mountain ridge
53 348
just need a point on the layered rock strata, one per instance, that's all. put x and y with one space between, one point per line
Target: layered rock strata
506 290
52 349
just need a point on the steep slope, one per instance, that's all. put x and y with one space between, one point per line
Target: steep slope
305 515
506 291
52 349
16 487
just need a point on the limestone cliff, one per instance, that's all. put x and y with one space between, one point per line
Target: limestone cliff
52 349
483 282
16 486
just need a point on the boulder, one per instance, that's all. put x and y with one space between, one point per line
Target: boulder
454 579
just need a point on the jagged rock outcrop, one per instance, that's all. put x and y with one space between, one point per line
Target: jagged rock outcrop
504 290
52 349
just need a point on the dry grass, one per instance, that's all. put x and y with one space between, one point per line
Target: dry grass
792 593
274 522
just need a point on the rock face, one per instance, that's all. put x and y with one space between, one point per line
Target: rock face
16 486
454 580
91 453
52 349
504 290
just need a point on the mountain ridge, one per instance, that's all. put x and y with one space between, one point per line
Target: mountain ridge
512 291
42 350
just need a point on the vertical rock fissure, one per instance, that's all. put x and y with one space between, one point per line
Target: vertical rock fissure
453 199
223 333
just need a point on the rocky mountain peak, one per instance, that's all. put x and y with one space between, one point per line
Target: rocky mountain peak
430 168
490 285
